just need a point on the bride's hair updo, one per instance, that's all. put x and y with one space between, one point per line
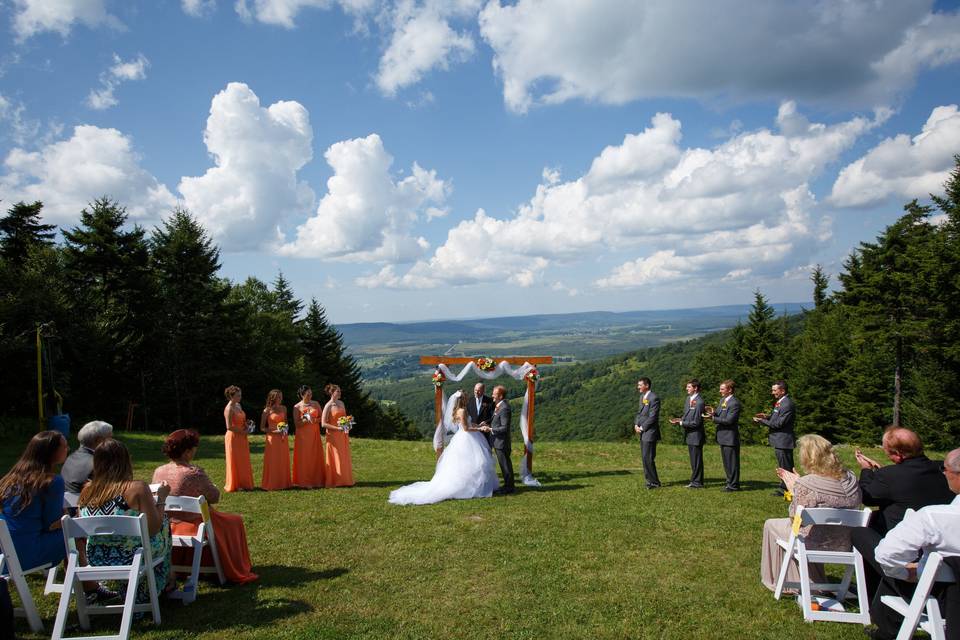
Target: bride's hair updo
461 402
460 415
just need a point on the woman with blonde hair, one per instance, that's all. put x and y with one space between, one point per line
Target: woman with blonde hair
826 484
276 451
339 463
239 471
113 492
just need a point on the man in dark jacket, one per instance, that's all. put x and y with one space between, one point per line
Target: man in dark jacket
647 425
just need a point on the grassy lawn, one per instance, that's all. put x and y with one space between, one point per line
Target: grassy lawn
591 554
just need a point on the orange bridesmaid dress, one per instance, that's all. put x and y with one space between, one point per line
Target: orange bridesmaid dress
309 469
339 465
239 470
276 457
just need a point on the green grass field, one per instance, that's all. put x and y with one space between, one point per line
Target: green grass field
591 554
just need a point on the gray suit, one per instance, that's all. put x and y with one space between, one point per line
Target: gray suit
692 423
648 419
781 437
500 435
727 419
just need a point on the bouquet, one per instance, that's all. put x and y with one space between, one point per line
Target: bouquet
307 415
282 428
486 364
533 375
346 423
438 378
251 426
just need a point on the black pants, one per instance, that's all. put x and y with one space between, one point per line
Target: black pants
784 461
648 452
731 465
506 466
696 464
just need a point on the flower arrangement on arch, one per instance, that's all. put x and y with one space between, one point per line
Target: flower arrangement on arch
438 378
346 423
532 375
486 364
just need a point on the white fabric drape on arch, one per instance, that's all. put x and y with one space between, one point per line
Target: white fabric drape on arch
503 368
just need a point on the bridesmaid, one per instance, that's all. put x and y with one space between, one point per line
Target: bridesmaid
276 453
239 471
308 466
339 465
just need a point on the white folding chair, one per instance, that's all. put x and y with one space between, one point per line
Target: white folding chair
141 566
795 549
153 488
923 610
11 571
204 537
70 499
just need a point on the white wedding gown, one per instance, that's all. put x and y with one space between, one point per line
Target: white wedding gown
465 470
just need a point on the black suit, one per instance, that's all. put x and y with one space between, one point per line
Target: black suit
648 419
692 423
500 435
727 419
781 437
912 484
485 413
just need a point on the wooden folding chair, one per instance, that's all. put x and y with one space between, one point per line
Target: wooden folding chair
141 566
11 571
205 537
795 548
923 610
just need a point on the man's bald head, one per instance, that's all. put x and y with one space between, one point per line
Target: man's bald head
901 444
951 469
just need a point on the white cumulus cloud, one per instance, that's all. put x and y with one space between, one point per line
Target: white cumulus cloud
198 8
67 175
860 52
740 208
119 72
36 16
253 188
903 166
368 215
283 13
422 40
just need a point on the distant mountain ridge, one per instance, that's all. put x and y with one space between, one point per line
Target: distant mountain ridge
703 318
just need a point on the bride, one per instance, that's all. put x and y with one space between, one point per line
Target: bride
465 468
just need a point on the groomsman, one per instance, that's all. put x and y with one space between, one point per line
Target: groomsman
647 424
781 422
692 423
727 419
500 434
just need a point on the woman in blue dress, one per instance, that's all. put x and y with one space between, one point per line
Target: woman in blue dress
113 492
32 497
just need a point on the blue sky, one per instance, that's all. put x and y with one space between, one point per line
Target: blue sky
404 160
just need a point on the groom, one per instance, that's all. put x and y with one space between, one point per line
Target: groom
500 437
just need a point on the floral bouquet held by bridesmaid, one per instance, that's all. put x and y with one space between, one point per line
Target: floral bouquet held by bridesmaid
346 423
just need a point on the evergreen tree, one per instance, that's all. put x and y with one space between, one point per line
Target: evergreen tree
821 286
115 300
193 319
284 301
21 229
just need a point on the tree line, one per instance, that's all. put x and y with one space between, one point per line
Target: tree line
142 323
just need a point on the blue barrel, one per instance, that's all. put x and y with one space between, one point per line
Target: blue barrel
60 423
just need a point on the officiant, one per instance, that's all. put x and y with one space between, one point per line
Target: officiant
480 408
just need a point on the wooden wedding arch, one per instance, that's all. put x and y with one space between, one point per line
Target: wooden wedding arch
515 361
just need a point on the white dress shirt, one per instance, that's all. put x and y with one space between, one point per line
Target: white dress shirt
933 528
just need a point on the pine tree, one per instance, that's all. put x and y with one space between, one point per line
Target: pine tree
20 230
821 286
193 317
283 299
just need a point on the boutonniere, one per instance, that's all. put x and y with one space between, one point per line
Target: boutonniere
724 405
645 401
777 403
693 402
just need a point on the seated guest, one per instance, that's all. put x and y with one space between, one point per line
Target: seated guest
78 468
32 497
113 492
187 479
932 528
913 481
827 484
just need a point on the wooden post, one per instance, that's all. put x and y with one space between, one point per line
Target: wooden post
532 390
437 405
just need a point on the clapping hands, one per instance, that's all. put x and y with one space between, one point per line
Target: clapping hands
864 461
789 478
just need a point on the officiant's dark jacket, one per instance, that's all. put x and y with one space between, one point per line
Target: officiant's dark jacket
913 484
728 423
486 409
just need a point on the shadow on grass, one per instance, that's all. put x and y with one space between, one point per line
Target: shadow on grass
560 477
386 483
551 487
